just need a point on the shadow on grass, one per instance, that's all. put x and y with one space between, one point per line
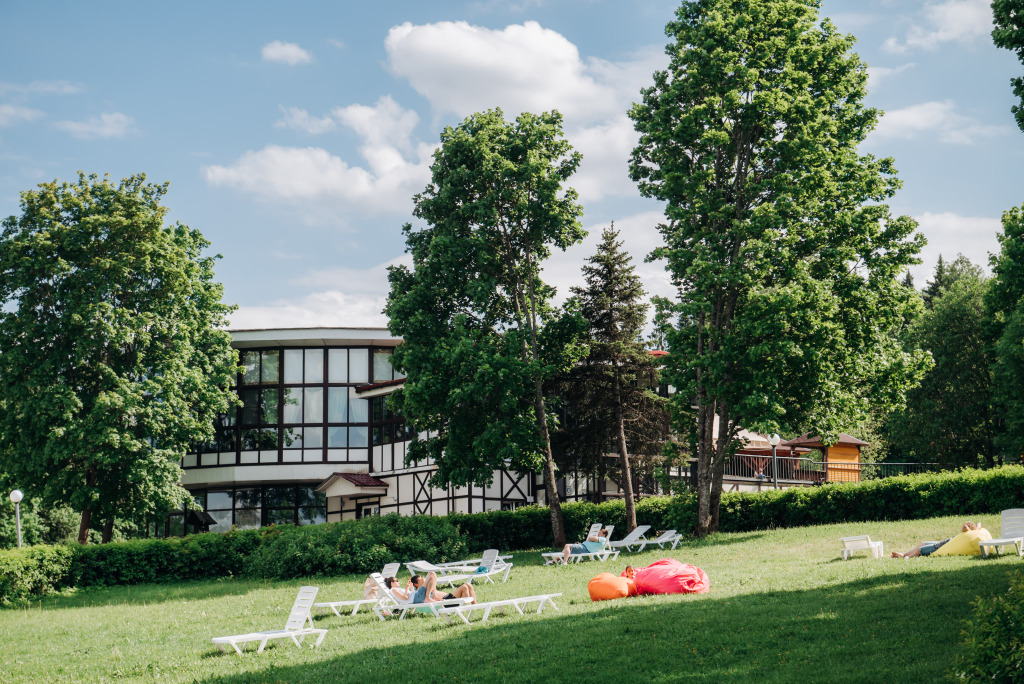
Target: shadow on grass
880 623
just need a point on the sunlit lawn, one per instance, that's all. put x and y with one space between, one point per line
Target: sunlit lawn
782 608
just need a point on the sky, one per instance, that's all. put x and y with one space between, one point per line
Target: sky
294 135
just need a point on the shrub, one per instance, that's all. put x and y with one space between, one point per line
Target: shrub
33 571
200 556
994 637
355 546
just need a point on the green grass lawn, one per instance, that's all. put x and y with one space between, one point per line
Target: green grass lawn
782 608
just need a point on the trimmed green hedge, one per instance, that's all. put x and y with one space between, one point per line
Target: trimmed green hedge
359 546
34 571
994 637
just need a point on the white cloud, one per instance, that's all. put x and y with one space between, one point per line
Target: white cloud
300 120
950 234
344 297
878 74
604 170
462 68
104 126
935 118
285 53
11 115
397 168
944 22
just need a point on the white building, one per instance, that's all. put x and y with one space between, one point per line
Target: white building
313 441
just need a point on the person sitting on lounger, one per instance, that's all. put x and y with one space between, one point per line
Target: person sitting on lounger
591 545
402 595
426 590
928 548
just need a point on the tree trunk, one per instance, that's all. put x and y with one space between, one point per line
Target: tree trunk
83 527
554 505
626 480
705 460
108 531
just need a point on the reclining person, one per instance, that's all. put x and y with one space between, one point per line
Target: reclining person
426 590
928 548
591 545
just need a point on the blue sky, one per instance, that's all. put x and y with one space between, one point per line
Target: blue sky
295 134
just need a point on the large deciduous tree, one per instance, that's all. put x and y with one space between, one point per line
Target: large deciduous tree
112 351
610 397
480 336
949 418
787 262
1004 303
1008 32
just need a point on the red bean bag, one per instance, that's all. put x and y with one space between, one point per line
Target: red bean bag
607 586
669 576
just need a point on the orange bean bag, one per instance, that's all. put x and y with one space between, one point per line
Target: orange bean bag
607 586
669 576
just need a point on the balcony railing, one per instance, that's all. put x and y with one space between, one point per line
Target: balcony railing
804 471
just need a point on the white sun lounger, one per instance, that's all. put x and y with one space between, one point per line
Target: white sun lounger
1011 533
603 554
295 629
667 537
466 612
465 571
390 570
634 538
390 604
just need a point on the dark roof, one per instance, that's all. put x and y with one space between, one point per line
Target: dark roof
378 385
362 479
809 440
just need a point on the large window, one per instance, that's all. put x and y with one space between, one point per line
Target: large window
300 405
249 507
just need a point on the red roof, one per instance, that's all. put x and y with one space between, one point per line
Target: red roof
362 480
658 352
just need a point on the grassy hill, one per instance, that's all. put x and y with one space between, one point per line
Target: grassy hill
782 608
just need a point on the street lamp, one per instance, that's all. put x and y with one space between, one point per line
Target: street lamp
16 497
774 440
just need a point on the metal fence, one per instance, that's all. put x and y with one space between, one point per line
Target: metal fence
805 471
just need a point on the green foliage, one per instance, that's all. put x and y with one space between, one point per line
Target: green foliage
1008 32
1004 303
994 637
33 571
949 418
112 347
611 407
355 546
787 260
947 275
480 335
175 559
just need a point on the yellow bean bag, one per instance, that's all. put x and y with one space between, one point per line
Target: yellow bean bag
964 544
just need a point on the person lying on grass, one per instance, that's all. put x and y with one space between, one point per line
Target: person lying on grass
426 590
591 545
928 548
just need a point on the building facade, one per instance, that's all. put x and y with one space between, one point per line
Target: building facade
314 441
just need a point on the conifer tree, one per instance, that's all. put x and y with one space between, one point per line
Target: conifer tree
609 392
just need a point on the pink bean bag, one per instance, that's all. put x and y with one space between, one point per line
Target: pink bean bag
669 576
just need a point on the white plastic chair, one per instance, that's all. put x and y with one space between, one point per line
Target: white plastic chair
861 542
295 629
667 537
1011 531
391 604
465 612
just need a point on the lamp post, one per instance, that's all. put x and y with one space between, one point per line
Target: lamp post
16 497
774 440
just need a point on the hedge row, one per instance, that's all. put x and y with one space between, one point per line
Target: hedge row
360 546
